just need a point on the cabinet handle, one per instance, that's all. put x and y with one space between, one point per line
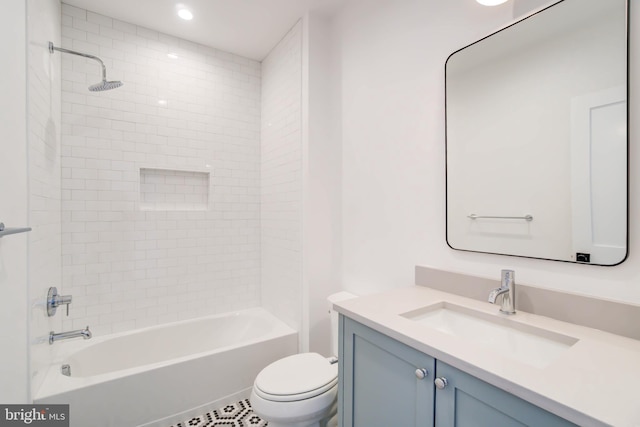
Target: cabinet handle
441 383
421 373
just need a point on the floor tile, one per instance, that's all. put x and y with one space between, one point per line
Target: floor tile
237 414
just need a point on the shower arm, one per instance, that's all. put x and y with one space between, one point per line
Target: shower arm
53 48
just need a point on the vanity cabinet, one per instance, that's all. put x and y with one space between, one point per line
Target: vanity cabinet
380 382
468 401
386 383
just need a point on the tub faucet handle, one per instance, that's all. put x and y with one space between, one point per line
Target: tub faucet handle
54 300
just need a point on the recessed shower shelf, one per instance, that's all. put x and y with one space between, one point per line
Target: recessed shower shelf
7 231
173 190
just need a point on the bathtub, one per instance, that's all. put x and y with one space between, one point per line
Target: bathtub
157 376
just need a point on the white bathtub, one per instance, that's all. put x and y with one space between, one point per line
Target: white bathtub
164 374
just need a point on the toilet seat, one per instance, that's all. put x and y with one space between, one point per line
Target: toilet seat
297 377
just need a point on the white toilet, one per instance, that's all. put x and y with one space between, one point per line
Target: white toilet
301 390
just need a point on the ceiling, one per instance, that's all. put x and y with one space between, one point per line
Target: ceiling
250 28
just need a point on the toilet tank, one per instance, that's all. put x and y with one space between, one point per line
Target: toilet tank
339 296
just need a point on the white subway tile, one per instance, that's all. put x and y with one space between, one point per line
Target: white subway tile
125 27
103 21
112 33
107 136
74 11
74 33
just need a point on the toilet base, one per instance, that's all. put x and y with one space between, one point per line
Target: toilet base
317 412
332 421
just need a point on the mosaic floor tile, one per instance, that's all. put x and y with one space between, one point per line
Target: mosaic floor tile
237 414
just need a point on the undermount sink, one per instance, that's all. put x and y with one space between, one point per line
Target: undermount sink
528 344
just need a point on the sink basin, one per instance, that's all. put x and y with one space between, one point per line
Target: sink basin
528 344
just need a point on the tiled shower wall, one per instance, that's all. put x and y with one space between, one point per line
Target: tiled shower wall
184 110
281 175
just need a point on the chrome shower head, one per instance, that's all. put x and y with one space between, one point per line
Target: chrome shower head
105 85
98 87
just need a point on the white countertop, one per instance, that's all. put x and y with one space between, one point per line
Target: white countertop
595 382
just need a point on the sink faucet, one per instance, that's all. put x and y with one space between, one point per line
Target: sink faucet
508 291
84 333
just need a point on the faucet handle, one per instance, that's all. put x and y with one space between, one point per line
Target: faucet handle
65 299
507 276
54 300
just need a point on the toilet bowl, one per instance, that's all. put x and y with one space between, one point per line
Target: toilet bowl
298 390
301 390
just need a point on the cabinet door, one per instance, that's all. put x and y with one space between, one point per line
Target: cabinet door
469 402
379 385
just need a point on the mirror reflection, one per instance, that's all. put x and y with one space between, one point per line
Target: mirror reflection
537 137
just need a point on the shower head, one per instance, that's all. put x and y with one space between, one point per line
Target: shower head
105 85
98 87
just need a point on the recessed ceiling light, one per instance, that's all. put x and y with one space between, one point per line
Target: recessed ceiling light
491 2
162 101
185 14
172 55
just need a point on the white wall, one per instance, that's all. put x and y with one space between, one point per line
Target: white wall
127 264
14 332
392 75
44 124
321 171
301 171
281 182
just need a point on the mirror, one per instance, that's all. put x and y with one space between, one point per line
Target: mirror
536 137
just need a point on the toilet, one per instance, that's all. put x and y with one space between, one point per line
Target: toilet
301 390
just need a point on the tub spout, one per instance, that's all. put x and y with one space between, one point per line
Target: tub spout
84 333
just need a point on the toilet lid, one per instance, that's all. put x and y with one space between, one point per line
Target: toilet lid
296 377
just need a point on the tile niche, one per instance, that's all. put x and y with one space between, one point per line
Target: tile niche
173 190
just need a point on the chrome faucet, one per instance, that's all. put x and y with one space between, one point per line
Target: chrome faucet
84 333
508 291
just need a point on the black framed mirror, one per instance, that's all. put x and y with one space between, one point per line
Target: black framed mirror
536 136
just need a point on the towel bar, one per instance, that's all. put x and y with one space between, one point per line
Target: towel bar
526 217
